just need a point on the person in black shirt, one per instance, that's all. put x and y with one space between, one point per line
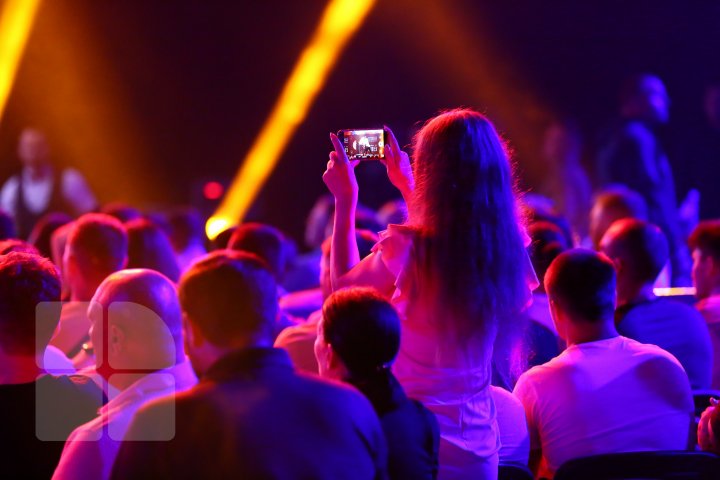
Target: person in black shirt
358 338
37 411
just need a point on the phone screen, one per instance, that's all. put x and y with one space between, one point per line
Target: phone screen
364 144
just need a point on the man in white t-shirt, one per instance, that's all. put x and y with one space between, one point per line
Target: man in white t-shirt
605 393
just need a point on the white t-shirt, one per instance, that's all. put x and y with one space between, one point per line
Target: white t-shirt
610 396
514 439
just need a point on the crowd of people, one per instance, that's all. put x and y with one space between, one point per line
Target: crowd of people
461 329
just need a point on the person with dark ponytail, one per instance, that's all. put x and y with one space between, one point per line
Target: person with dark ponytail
358 339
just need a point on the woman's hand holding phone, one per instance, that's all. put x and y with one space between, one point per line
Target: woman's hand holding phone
340 174
398 166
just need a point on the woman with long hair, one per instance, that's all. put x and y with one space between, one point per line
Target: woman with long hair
457 271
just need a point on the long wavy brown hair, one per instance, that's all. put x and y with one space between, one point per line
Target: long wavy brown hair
470 252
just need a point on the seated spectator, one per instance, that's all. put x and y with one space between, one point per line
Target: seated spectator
58 242
41 233
299 340
705 245
358 339
221 241
639 251
605 393
612 204
265 241
149 247
143 335
38 411
7 226
187 235
251 416
514 438
96 247
270 245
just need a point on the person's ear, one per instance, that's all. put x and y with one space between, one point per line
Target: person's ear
116 339
191 333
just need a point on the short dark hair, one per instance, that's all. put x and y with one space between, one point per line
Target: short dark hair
548 241
121 211
100 244
706 238
186 226
624 200
264 241
642 246
230 295
362 328
7 226
25 281
14 245
582 282
41 234
149 247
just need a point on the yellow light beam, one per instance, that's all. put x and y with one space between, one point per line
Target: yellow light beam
339 22
16 20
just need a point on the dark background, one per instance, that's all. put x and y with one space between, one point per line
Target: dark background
150 99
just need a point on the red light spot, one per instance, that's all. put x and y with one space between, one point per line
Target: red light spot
213 190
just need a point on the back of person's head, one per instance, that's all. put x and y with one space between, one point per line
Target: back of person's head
464 205
582 283
638 248
231 298
15 245
706 238
362 329
265 241
121 211
612 204
186 227
221 241
42 232
7 226
149 247
25 281
138 313
98 245
547 242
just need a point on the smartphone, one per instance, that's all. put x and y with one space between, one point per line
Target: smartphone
368 144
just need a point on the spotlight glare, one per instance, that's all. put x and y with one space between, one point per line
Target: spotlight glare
16 20
339 22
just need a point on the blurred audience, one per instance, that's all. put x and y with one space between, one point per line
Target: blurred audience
149 247
613 204
567 183
187 236
43 230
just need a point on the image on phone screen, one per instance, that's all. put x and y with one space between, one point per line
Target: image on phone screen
364 144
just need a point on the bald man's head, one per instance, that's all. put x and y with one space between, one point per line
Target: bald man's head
141 328
639 250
